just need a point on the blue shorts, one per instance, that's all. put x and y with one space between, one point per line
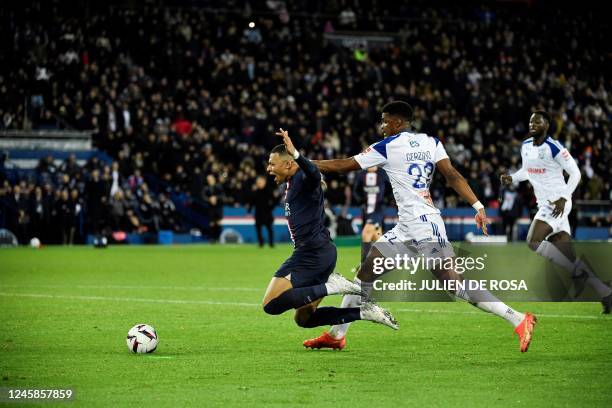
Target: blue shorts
308 267
376 218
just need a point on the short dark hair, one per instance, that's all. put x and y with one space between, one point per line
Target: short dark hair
280 149
543 114
399 108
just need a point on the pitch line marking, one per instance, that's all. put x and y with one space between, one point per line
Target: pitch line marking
482 313
193 288
220 303
125 299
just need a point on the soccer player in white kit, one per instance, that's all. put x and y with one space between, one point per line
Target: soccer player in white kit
543 161
409 160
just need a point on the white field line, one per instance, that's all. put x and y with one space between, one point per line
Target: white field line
559 316
126 299
193 288
212 302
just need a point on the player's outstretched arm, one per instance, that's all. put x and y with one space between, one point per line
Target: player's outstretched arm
458 183
337 165
520 175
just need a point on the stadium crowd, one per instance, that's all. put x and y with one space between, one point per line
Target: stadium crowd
192 95
60 204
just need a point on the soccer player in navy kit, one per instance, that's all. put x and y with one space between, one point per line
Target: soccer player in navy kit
308 274
369 190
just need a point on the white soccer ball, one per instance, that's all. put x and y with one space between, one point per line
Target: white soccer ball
142 338
35 242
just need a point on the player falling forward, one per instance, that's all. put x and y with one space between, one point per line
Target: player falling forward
369 189
409 160
543 162
307 276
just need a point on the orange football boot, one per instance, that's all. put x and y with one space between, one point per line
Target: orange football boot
325 341
525 331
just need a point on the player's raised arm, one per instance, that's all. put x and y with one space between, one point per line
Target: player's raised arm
313 175
458 183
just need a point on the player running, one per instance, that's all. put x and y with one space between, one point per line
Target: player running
409 159
543 162
369 190
307 276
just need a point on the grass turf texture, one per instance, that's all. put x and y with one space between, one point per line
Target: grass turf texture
65 313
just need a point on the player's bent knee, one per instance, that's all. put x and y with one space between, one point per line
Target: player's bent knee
272 308
534 242
301 320
302 317
533 245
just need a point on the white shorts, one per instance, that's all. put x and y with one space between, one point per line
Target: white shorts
558 224
426 234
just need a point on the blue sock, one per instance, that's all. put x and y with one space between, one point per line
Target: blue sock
294 298
365 249
329 316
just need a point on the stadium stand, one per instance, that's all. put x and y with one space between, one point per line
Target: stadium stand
182 102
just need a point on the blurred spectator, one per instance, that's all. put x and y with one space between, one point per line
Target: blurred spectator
263 199
168 217
510 211
205 102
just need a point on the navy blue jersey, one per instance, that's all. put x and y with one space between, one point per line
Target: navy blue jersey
369 191
304 207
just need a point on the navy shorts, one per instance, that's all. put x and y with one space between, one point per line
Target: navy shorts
376 218
309 267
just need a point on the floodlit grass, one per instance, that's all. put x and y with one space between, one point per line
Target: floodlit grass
65 312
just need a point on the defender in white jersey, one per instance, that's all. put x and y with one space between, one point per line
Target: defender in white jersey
410 159
543 161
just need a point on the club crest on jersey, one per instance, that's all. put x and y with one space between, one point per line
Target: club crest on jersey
541 154
414 143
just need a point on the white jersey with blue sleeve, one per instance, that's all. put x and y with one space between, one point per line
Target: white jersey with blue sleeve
409 159
543 166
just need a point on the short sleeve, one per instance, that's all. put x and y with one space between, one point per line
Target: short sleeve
372 156
440 151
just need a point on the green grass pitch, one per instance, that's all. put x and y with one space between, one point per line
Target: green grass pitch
65 312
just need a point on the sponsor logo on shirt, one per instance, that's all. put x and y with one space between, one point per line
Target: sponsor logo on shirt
414 143
533 170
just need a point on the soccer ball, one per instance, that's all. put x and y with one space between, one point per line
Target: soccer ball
100 242
35 243
142 338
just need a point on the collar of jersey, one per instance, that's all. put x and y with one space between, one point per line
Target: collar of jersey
397 134
543 141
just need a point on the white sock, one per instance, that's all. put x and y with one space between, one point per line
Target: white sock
552 253
366 287
339 331
601 288
330 288
485 301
